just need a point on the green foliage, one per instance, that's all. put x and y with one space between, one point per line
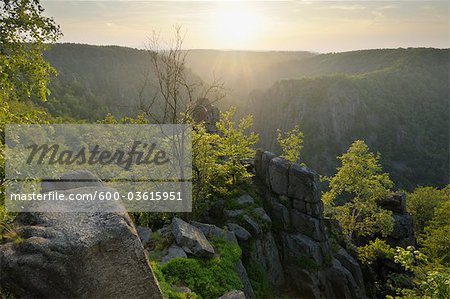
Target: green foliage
359 183
9 233
217 159
234 146
396 100
207 278
24 32
430 280
169 292
291 143
436 239
375 250
423 202
430 209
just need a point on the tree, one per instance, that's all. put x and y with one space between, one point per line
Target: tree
291 143
423 202
24 32
23 72
354 191
234 146
436 238
177 88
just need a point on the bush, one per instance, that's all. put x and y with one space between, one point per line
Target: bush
377 249
207 278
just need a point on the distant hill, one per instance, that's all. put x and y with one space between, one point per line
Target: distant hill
241 71
396 100
95 80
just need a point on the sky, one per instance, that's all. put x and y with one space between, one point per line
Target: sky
319 26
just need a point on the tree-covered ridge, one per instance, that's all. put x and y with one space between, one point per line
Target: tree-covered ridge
401 111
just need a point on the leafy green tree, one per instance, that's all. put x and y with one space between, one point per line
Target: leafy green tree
24 32
291 143
234 146
360 183
436 239
23 72
423 202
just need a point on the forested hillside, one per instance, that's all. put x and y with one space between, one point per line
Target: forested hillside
93 80
396 100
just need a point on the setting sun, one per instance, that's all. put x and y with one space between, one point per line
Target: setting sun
235 27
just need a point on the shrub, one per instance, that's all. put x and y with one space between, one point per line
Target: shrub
207 278
375 250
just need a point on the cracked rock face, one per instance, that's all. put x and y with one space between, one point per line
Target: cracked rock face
67 255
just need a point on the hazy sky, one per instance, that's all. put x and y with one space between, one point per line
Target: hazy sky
322 26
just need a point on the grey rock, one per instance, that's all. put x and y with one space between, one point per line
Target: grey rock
173 252
299 205
144 234
340 282
279 175
265 161
191 238
232 213
280 213
72 180
240 232
244 200
234 294
353 267
303 184
314 209
247 286
258 164
253 225
261 213
395 203
310 226
166 231
77 255
403 233
264 251
299 246
210 231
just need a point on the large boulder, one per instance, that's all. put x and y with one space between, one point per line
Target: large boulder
403 232
71 180
303 184
191 239
234 294
279 175
240 232
76 255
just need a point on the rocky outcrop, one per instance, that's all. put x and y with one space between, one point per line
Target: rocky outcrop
301 247
403 232
76 255
191 239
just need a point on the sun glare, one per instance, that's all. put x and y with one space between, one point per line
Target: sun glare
236 28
